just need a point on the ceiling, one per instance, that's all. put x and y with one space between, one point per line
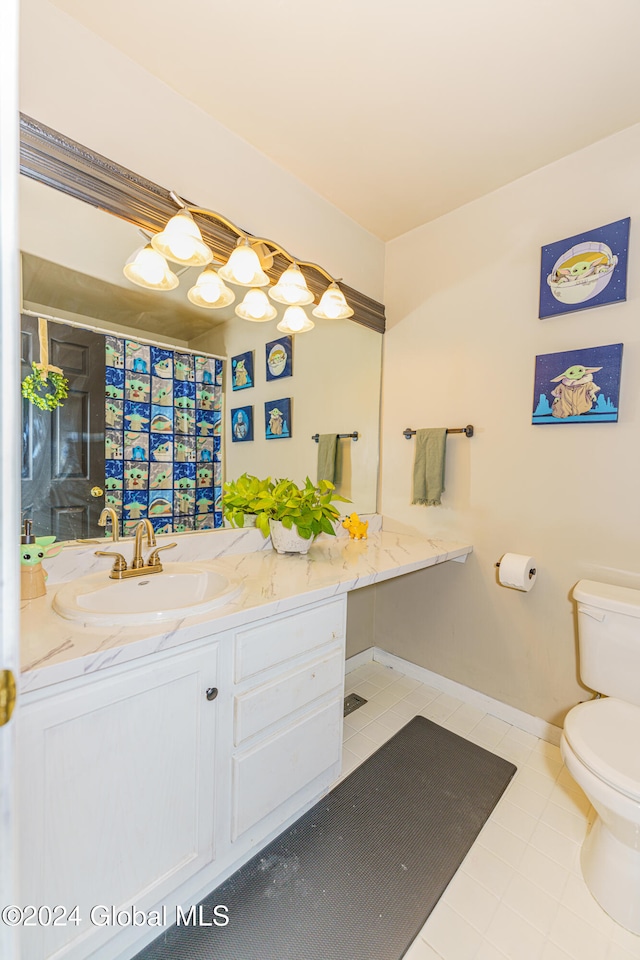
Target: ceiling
399 111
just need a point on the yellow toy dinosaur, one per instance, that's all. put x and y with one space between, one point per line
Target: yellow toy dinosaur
357 528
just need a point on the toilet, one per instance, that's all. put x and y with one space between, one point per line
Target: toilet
600 745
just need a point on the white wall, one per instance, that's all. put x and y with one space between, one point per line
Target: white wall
462 306
78 84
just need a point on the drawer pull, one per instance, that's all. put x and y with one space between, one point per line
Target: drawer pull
211 693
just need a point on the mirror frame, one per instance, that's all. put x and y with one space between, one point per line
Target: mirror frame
53 159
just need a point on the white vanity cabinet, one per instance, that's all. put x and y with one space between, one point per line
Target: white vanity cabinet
116 793
146 784
287 722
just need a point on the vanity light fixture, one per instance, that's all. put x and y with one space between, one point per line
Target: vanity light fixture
295 320
210 291
243 267
148 268
256 307
292 288
333 305
181 242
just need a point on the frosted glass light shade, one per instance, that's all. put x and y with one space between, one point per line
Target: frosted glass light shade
243 267
256 307
333 305
210 292
295 320
292 288
149 269
181 242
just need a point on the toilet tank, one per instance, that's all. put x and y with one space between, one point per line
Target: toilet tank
609 638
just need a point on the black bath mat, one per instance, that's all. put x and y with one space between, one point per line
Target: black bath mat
356 876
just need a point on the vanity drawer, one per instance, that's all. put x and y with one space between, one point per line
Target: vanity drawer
268 775
270 702
259 648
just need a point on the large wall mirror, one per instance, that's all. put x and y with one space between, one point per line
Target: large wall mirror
72 255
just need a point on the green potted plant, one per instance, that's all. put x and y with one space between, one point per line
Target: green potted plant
293 515
243 499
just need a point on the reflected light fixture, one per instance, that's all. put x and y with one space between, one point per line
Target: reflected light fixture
295 320
333 305
256 307
292 288
210 292
181 242
148 268
243 267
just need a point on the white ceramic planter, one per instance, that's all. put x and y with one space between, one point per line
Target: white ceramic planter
288 541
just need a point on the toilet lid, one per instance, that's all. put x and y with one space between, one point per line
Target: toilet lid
605 735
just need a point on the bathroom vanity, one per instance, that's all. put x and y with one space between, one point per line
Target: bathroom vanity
153 761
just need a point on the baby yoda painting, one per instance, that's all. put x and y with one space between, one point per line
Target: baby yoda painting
275 422
576 391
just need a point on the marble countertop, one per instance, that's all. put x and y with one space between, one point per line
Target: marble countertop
54 649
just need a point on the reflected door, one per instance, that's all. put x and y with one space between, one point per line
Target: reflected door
63 449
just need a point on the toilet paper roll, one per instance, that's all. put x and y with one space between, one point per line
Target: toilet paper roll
514 571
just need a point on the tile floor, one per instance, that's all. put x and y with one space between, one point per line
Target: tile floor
519 894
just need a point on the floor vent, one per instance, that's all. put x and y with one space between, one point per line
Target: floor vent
352 702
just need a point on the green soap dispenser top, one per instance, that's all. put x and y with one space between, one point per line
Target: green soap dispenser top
27 536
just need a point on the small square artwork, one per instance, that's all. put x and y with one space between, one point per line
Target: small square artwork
279 358
578 386
277 415
587 270
242 371
241 424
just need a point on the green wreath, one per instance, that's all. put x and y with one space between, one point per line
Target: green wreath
46 392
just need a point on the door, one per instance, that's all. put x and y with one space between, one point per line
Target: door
63 449
9 452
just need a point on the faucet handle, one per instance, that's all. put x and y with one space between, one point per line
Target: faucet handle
153 556
119 563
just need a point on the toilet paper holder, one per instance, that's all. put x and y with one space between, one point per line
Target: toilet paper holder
532 571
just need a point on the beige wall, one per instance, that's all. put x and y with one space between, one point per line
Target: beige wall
335 387
80 85
462 306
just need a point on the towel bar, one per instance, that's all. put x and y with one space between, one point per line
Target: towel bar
341 436
468 431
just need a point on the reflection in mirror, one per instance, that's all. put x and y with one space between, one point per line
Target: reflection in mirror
72 261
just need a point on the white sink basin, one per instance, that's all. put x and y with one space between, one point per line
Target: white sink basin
180 590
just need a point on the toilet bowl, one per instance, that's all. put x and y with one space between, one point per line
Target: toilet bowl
600 745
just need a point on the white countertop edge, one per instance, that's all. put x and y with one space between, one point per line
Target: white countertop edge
382 557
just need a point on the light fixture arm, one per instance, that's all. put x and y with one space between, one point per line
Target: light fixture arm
212 214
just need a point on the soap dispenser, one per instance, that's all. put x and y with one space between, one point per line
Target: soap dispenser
32 551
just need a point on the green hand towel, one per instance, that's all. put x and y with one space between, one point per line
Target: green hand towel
428 467
327 447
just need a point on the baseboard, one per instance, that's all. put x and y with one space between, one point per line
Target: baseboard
503 711
359 659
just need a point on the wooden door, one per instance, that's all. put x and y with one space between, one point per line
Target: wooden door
63 449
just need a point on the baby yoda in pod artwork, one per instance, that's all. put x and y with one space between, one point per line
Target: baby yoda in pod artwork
576 391
32 551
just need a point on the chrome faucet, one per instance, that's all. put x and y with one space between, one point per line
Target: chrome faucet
138 568
142 527
109 513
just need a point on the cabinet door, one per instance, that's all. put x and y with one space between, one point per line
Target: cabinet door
116 791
